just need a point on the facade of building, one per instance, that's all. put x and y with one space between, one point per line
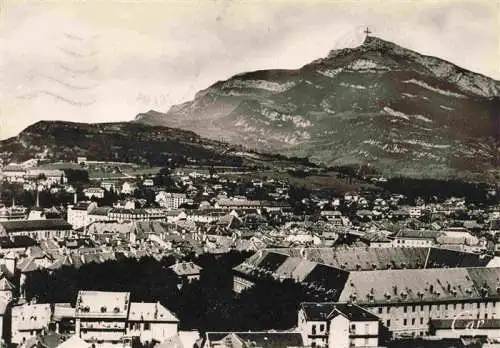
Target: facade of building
170 200
109 318
36 229
96 192
28 320
337 325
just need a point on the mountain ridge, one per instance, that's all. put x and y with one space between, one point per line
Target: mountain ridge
378 104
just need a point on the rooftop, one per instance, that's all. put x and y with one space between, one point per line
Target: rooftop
31 316
102 304
140 311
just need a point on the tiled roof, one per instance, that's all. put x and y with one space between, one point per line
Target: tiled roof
155 312
421 285
186 268
63 310
102 304
34 225
31 317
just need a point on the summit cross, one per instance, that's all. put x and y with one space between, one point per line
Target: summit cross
367 31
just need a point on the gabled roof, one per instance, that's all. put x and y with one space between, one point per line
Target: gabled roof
150 312
322 311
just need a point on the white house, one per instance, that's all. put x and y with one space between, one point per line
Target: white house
337 325
28 320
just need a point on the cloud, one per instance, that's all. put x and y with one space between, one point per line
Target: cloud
135 56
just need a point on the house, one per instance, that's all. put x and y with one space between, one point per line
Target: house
148 183
28 320
415 238
337 325
128 188
107 318
151 322
170 200
96 192
188 271
78 215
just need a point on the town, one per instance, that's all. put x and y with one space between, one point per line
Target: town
108 254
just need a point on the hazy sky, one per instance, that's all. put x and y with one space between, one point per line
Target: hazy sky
106 60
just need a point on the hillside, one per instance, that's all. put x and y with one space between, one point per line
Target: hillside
131 142
380 104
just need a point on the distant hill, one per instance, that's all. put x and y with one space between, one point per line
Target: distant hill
402 112
128 142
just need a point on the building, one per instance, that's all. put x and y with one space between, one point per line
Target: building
337 325
151 322
415 238
186 271
14 173
122 215
405 299
109 318
28 320
170 200
77 215
128 188
96 192
36 229
101 316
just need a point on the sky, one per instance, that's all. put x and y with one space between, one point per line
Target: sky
108 60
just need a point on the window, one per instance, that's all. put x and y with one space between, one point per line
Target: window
422 308
147 326
322 328
478 305
353 327
405 322
314 329
454 306
463 305
413 308
421 321
380 310
405 309
446 307
388 308
413 321
438 307
388 323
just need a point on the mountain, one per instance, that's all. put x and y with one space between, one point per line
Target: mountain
130 142
379 104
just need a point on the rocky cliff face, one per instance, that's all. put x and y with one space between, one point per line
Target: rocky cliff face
379 104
